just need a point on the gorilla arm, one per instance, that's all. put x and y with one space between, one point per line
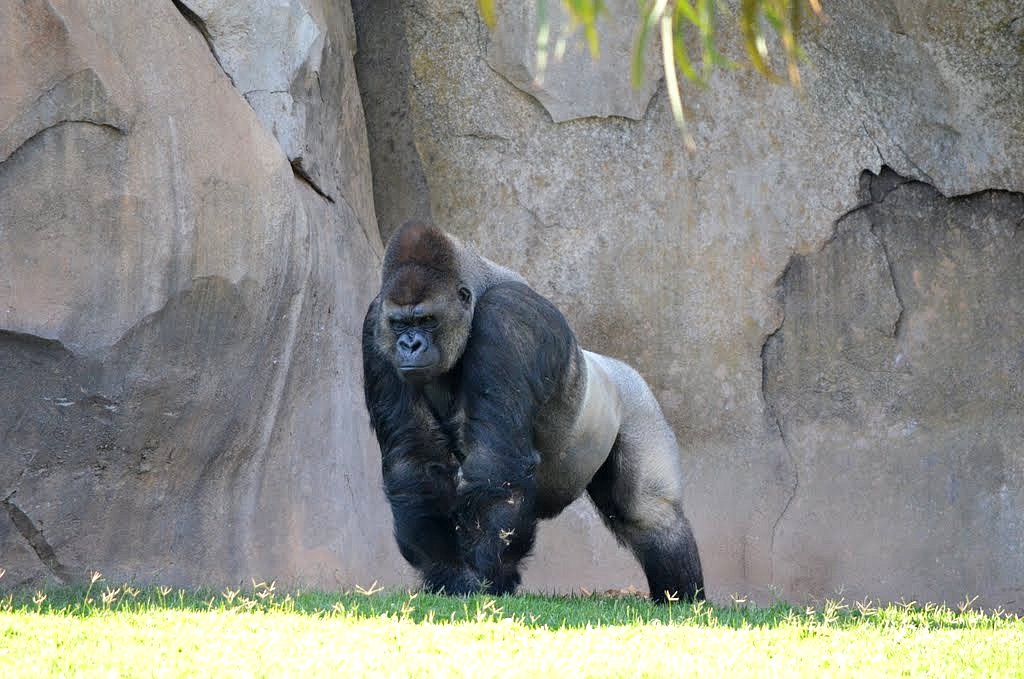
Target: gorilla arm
521 359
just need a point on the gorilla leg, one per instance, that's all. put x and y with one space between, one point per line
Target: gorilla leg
422 504
638 492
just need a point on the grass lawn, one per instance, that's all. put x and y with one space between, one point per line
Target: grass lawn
122 631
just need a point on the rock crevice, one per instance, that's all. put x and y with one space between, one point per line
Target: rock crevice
35 538
200 26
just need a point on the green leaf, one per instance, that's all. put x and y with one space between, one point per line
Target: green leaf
650 17
679 49
487 13
590 30
684 8
774 19
752 37
543 33
757 18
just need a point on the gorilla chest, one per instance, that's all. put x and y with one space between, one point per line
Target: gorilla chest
441 399
445 409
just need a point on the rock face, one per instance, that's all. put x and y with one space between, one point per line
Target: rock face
825 296
561 74
900 360
186 256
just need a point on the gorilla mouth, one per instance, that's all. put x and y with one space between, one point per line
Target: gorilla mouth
412 371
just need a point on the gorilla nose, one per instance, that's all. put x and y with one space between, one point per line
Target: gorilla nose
415 352
410 345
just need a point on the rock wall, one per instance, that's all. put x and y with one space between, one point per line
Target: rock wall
898 375
188 246
826 296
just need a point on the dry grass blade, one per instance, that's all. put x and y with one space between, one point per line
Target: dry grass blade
672 80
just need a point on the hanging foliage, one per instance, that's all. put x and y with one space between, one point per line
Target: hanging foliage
686 31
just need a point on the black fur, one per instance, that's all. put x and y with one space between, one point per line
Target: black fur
419 461
513 367
474 538
459 448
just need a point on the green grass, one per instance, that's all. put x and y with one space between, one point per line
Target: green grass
123 631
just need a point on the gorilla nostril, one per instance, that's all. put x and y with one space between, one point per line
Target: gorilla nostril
410 345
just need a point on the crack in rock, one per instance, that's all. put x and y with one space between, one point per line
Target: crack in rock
303 175
200 25
875 189
897 324
36 540
769 340
80 97
93 123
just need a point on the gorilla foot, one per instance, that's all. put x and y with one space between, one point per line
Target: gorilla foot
672 567
453 581
504 582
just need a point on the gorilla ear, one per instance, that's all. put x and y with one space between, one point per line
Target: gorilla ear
465 294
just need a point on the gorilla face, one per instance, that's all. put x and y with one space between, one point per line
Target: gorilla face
425 338
413 330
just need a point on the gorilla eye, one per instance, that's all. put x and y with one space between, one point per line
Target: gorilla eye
465 295
429 319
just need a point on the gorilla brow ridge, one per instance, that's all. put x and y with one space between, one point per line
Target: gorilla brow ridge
414 283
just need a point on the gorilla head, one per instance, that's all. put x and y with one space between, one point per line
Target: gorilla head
426 310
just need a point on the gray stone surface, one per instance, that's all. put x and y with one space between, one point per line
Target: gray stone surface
898 371
179 309
292 61
399 187
563 77
674 262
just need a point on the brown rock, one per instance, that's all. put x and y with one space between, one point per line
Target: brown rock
179 312
671 261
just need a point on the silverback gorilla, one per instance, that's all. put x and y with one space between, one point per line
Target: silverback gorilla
490 416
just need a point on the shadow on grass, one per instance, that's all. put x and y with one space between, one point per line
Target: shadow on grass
529 610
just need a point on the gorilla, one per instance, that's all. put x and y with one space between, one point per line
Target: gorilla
490 416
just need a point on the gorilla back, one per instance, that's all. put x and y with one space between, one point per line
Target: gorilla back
490 416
